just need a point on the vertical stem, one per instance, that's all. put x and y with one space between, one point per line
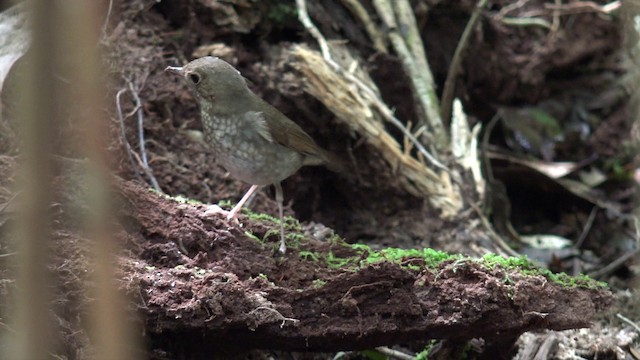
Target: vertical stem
456 62
37 116
114 337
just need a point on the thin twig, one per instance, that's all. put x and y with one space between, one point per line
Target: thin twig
585 6
555 22
492 234
456 63
530 21
587 227
127 146
628 321
394 353
613 265
141 144
4 206
141 164
507 9
361 14
382 108
622 259
106 19
303 16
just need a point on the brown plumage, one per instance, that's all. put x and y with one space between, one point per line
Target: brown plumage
254 141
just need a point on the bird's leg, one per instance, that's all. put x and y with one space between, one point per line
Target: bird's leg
233 214
280 200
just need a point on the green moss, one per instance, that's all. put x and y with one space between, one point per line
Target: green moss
184 200
339 262
265 278
431 258
179 198
250 235
364 256
424 354
308 255
260 216
522 262
361 247
374 355
525 266
318 283
582 281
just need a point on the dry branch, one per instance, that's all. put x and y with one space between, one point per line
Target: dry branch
360 111
397 15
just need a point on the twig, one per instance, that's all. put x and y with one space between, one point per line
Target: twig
628 321
613 265
585 6
587 227
492 234
555 22
507 9
141 164
361 14
526 22
411 52
4 206
622 259
106 19
382 108
141 145
124 136
456 62
394 353
303 16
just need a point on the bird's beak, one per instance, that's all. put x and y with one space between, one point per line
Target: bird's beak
175 69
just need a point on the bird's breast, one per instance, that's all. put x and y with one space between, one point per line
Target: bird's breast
247 155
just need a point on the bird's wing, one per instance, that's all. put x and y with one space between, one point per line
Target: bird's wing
259 123
275 127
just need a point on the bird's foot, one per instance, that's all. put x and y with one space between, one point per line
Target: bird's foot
217 210
283 247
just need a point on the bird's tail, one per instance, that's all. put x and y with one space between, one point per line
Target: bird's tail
328 159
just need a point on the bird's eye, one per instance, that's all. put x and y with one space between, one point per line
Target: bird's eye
195 78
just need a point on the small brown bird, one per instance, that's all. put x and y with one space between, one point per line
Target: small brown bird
252 140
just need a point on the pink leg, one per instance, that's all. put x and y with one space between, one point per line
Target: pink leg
233 214
280 200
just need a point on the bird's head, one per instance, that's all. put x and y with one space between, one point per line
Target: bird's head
214 80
